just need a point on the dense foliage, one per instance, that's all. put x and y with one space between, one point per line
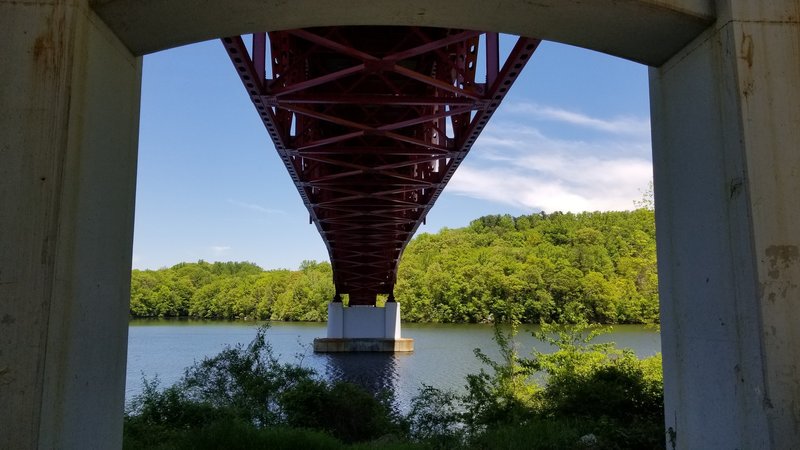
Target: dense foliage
233 290
248 387
582 396
569 268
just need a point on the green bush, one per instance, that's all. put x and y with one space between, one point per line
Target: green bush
582 395
436 418
582 390
505 395
233 434
535 434
246 379
617 389
248 385
342 409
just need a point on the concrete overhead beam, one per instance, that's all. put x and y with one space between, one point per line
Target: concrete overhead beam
645 31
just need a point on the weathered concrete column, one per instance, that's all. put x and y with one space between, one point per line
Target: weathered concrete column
726 144
68 137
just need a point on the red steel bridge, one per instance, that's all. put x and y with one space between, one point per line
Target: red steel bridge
371 122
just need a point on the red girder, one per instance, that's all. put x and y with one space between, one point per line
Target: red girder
360 116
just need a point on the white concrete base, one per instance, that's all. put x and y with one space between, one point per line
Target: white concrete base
363 328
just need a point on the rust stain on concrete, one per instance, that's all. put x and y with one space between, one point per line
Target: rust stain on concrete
48 47
781 257
42 46
746 52
779 284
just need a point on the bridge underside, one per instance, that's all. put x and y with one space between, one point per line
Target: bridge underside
371 122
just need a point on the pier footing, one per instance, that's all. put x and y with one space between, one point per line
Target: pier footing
336 345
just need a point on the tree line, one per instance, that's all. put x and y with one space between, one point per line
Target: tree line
596 267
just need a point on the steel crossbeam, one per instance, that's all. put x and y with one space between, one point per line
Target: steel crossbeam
371 123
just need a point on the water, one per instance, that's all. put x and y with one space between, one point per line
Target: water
443 353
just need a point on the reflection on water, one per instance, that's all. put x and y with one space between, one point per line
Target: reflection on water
376 372
443 354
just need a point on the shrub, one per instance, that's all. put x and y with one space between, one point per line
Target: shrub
248 385
506 394
436 418
246 379
535 434
597 380
342 409
619 394
593 396
549 400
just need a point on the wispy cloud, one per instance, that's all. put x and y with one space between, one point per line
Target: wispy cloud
617 125
594 185
255 207
521 166
219 248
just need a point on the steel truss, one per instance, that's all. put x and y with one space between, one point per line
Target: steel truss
371 122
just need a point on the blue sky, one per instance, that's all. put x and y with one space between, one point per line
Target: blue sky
572 135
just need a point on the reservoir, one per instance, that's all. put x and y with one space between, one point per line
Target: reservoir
443 355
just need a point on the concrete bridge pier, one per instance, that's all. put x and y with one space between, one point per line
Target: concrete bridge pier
363 329
726 144
69 111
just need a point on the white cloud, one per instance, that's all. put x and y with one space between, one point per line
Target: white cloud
219 248
618 125
608 185
255 207
507 140
519 165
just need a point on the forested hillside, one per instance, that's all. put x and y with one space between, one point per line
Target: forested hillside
599 267
233 290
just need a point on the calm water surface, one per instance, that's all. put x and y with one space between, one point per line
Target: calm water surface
443 352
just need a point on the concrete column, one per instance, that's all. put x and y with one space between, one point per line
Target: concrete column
68 140
335 320
392 320
363 322
726 154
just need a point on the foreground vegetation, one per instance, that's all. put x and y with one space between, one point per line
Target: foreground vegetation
582 396
567 268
